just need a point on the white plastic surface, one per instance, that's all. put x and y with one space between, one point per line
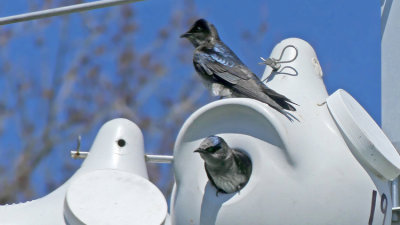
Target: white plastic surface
363 135
104 197
303 171
127 163
106 153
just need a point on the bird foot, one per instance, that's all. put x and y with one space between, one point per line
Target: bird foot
321 104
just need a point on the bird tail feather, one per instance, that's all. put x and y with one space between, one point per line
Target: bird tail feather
282 100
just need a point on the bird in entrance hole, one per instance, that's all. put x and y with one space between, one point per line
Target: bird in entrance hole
227 169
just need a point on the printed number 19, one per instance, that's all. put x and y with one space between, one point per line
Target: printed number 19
384 204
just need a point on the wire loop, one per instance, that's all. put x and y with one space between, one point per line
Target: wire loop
275 64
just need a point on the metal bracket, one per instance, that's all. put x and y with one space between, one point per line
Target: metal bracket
77 154
275 64
271 62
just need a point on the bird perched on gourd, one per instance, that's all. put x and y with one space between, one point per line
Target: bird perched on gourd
224 73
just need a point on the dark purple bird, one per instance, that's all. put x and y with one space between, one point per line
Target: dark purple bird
224 73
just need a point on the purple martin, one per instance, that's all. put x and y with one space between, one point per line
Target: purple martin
227 169
224 73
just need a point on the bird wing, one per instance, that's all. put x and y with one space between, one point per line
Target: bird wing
243 162
225 68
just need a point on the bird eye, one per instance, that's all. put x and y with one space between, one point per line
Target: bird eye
198 28
212 149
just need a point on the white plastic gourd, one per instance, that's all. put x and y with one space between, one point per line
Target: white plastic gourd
304 172
111 187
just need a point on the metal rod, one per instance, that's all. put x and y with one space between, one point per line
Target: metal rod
62 10
395 199
395 193
159 158
149 158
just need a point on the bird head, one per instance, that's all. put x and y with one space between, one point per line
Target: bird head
201 32
213 149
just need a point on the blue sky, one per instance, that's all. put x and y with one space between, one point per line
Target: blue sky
344 34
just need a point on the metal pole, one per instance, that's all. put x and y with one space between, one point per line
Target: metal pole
390 55
62 10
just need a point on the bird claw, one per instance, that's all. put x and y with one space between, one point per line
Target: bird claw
321 104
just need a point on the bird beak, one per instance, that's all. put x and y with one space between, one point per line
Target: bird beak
199 150
185 35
